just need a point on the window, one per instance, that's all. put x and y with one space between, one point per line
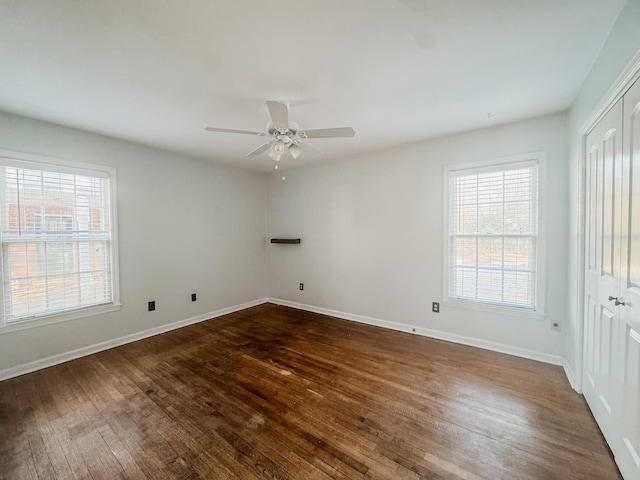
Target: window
493 233
57 237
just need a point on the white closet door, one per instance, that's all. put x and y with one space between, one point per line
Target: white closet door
603 325
628 455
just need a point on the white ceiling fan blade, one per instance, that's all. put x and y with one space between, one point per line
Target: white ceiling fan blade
279 114
257 151
230 130
328 133
309 150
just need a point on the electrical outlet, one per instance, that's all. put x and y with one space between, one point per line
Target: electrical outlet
435 307
193 297
555 325
302 286
152 305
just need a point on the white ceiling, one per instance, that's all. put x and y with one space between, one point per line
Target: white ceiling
159 71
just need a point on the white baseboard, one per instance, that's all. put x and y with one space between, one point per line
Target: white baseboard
116 342
571 376
427 332
402 327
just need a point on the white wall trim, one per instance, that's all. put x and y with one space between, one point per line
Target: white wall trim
427 332
571 376
116 342
624 81
59 318
579 337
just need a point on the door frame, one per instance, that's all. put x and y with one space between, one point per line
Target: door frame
625 80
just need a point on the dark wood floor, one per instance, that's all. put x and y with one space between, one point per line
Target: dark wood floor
273 392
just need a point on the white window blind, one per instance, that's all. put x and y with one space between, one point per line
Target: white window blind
56 240
493 214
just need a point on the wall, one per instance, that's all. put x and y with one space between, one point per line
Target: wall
619 49
372 233
185 226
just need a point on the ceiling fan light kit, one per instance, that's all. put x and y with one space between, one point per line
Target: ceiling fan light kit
277 149
286 136
295 151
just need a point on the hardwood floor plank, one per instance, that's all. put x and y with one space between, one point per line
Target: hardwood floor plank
219 455
274 392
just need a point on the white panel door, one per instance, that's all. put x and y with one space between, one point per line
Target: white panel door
603 325
628 455
612 280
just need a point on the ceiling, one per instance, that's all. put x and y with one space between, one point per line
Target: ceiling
159 71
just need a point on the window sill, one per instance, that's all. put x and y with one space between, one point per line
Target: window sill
495 309
58 318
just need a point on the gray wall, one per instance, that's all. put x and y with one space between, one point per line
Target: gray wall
185 226
372 235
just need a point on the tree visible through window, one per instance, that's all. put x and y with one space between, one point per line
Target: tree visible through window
493 234
56 241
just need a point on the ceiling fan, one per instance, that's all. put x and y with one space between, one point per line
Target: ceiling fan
286 136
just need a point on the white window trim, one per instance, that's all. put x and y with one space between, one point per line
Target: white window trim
41 162
539 309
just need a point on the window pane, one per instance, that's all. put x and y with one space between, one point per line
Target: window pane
489 285
490 252
467 219
26 295
493 234
517 217
516 288
465 251
56 242
518 253
490 218
465 281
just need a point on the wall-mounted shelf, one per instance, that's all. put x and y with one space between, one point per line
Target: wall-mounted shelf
285 240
